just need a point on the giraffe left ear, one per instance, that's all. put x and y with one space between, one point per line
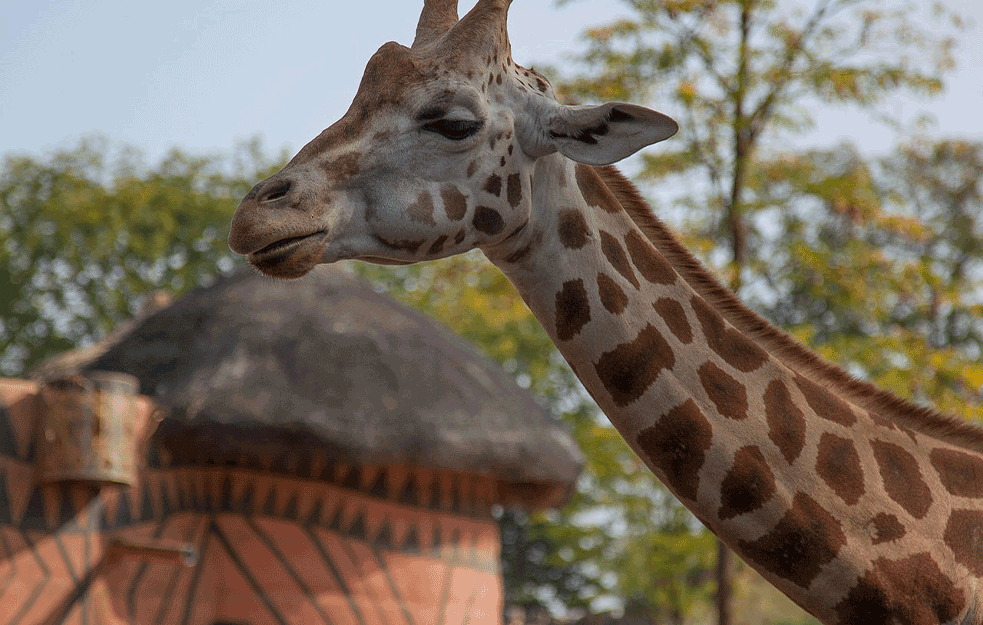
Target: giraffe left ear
605 134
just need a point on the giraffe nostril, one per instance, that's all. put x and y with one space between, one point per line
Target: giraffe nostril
276 192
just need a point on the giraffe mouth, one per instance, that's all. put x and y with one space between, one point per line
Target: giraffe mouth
291 257
284 247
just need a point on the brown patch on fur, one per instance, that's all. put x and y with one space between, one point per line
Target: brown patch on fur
513 188
964 535
726 393
838 464
902 478
960 473
572 229
677 445
804 540
487 220
824 403
344 167
460 236
572 309
472 167
595 192
673 314
748 485
887 528
787 349
786 423
630 368
648 261
612 296
735 348
422 209
911 590
455 203
617 257
494 185
438 246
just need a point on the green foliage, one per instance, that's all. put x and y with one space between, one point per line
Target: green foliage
86 232
882 264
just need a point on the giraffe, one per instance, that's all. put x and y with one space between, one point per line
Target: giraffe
859 506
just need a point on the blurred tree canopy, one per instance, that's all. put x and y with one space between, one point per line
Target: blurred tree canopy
88 231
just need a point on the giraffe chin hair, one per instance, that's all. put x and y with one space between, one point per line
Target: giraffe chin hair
292 258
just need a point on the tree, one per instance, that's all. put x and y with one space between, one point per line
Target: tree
883 264
88 231
741 73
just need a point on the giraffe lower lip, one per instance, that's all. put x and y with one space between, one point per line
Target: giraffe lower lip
284 247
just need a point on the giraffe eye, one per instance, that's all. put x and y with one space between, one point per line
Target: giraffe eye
454 129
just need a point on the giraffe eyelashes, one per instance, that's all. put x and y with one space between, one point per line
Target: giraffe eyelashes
454 129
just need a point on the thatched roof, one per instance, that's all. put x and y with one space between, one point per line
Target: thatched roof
252 366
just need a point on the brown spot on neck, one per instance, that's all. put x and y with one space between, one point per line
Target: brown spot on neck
804 540
595 192
824 403
674 315
786 423
838 464
677 445
572 309
964 535
748 485
652 265
911 590
572 229
886 528
726 393
902 478
613 298
630 368
961 473
616 256
736 349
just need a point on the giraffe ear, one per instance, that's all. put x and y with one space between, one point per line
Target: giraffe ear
605 134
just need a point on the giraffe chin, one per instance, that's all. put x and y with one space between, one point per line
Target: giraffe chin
292 258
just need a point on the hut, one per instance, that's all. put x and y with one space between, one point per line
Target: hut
328 456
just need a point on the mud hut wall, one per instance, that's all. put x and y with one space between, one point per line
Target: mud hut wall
418 546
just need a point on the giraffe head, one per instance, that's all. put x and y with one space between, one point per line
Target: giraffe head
435 155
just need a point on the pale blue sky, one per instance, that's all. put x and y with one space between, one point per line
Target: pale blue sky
200 74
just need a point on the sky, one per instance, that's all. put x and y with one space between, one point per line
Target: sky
201 75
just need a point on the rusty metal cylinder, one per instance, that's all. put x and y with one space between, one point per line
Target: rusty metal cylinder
88 428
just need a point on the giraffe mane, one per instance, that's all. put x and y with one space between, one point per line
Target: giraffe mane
787 349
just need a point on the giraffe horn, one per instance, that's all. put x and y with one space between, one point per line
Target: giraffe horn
484 23
437 18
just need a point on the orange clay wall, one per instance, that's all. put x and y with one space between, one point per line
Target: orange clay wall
330 544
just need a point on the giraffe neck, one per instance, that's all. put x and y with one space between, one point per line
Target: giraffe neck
834 504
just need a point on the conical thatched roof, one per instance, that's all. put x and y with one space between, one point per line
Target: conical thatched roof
255 366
